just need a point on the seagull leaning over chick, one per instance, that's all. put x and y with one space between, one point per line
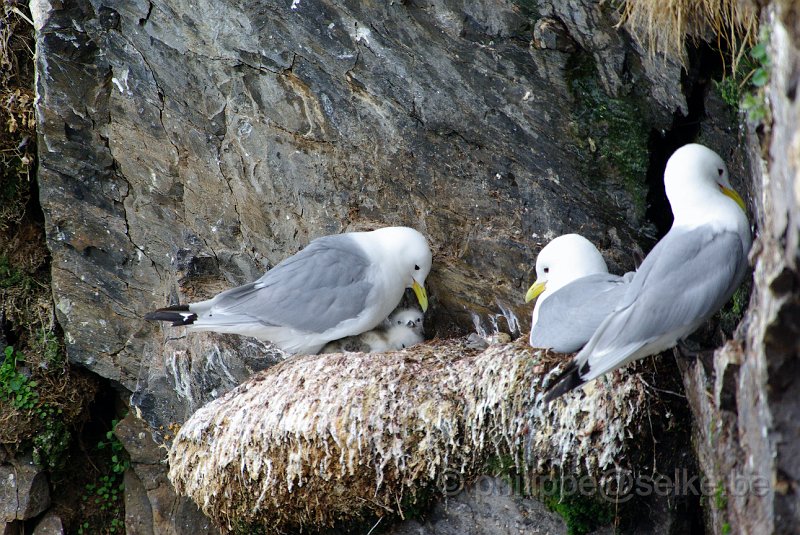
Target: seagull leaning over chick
687 277
575 293
338 286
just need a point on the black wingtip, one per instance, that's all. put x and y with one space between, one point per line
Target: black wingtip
177 314
567 380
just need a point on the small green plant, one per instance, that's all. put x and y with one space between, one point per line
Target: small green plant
51 444
726 528
15 386
52 437
106 493
754 101
744 89
50 348
720 498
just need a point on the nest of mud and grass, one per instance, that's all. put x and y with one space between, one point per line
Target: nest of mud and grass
329 440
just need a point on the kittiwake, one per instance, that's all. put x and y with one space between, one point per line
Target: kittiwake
575 293
378 340
338 286
687 277
410 317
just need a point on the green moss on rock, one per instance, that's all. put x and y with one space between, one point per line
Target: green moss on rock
581 513
611 133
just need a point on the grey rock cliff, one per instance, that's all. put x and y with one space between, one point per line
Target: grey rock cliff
745 400
197 145
187 147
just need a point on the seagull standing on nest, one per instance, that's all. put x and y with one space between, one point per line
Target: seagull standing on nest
575 293
687 277
338 286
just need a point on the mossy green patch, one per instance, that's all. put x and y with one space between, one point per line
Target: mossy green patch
611 133
733 312
50 445
500 466
720 497
104 497
9 275
744 88
581 513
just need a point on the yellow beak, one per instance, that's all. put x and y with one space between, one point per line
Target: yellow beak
422 297
534 291
735 196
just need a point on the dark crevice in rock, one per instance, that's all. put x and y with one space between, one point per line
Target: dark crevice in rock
143 21
704 63
74 484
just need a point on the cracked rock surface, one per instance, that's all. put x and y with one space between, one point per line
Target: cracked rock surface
187 148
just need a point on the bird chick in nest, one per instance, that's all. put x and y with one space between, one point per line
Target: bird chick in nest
402 329
411 317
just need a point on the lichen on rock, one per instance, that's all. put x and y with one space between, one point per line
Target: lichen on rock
326 439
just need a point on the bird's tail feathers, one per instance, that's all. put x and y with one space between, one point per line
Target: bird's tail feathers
569 379
177 314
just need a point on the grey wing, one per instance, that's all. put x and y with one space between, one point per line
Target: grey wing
314 290
684 280
569 317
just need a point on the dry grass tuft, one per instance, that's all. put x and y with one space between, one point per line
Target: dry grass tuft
319 440
27 318
17 119
662 25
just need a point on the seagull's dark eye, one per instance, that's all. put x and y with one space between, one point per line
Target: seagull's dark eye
547 270
416 267
720 171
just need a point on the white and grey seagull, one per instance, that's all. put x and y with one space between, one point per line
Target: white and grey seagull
687 277
575 293
339 285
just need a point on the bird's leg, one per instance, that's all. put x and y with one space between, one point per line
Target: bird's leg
683 351
688 350
687 353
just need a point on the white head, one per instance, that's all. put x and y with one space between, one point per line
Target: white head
696 181
563 260
410 317
406 252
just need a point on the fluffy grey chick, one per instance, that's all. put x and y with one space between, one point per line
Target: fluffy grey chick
378 340
410 317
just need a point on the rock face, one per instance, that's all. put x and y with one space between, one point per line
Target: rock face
746 401
193 146
187 147
24 491
490 506
151 505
